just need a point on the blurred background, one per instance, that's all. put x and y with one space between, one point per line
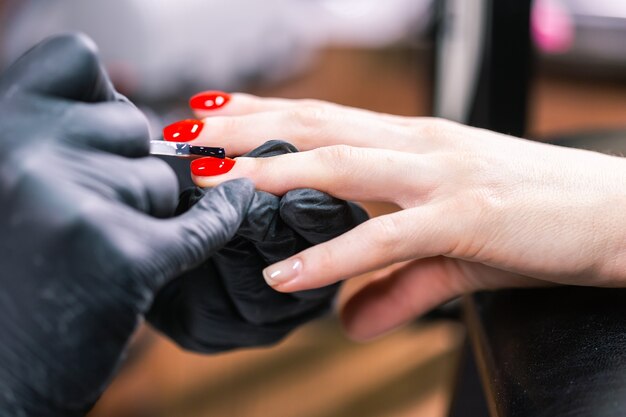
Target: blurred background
409 57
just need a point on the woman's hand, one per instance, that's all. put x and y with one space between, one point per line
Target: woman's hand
480 210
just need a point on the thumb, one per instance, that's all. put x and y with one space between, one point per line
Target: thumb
61 66
189 239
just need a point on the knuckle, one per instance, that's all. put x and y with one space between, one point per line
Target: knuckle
337 159
136 126
308 116
260 169
221 126
77 45
78 42
485 202
82 224
478 210
161 177
336 153
434 129
386 232
25 171
461 170
324 258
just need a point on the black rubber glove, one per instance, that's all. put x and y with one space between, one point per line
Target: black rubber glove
226 303
81 250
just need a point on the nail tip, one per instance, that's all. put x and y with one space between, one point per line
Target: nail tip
282 273
267 278
209 100
210 166
183 130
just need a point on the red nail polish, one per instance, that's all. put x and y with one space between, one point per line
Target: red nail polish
210 166
209 100
183 131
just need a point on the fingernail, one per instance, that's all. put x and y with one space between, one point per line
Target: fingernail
183 131
209 100
210 166
282 272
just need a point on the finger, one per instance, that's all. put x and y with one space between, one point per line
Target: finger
272 239
64 66
393 300
117 127
416 288
241 104
189 239
346 172
307 128
154 182
269 236
146 184
419 232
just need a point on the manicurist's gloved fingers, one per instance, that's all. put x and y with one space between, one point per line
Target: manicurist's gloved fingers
64 66
272 147
261 223
115 126
263 239
189 239
240 267
154 183
146 184
317 216
198 314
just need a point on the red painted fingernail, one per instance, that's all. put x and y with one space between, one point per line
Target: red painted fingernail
183 131
209 100
210 166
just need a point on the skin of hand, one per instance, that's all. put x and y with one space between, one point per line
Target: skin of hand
86 233
225 303
480 210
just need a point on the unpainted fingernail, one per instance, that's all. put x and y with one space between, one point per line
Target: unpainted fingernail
282 272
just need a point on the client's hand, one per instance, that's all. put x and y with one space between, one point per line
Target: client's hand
480 210
82 247
226 303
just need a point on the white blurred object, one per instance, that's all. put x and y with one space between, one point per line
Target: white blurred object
374 23
459 57
159 49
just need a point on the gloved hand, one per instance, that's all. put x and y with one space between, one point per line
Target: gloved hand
226 303
82 251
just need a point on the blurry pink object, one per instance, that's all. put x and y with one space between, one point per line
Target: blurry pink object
552 26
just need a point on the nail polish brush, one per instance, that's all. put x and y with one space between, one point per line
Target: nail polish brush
184 150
